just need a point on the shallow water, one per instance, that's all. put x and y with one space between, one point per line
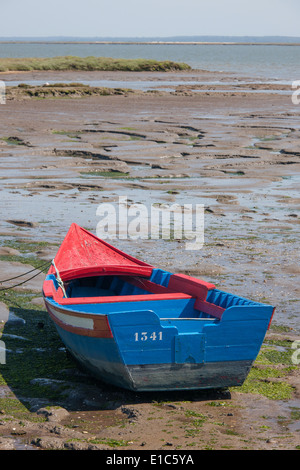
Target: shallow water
270 61
163 85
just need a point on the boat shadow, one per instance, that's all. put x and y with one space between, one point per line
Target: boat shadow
39 371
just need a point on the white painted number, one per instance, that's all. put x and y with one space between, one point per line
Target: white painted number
145 336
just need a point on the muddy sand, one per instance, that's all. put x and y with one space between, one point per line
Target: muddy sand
233 147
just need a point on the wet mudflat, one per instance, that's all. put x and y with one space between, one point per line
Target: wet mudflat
236 152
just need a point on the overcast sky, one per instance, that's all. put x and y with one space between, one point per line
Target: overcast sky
145 18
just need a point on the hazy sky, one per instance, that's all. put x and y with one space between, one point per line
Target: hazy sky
138 18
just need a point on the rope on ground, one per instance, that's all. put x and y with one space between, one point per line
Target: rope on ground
27 272
26 280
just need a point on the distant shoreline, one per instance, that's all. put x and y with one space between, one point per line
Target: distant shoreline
164 43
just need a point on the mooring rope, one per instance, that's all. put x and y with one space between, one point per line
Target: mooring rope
20 275
58 278
27 272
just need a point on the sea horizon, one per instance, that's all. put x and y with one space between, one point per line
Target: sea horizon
201 39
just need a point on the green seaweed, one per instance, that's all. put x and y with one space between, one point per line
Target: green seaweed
25 246
268 369
110 442
12 140
106 174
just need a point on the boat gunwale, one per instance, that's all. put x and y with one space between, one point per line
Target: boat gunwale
121 298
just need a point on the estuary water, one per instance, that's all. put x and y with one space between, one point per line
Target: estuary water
265 61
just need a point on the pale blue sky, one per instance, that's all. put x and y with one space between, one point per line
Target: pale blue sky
145 18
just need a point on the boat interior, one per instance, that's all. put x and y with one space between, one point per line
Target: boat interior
200 301
102 286
135 289
187 297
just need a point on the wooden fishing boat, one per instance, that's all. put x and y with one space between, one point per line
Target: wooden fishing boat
142 328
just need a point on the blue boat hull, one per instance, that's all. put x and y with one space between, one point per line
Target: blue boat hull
106 364
155 343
